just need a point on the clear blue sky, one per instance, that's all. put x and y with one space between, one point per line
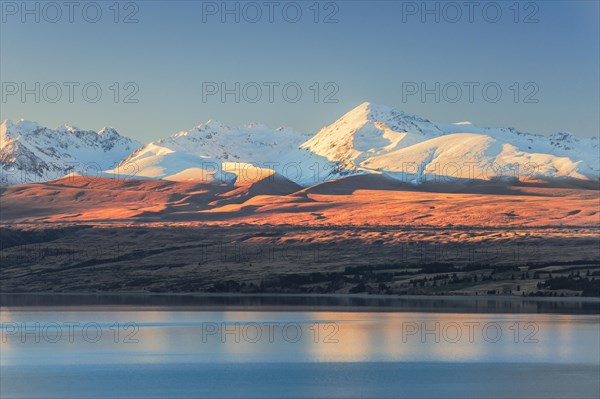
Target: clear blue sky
373 48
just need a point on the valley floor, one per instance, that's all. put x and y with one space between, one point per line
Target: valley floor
300 259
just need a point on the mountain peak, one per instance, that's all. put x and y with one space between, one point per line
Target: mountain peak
214 124
211 125
394 118
366 130
67 127
13 130
256 125
368 110
367 105
108 132
40 154
22 125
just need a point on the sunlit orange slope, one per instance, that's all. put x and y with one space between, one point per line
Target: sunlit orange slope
356 200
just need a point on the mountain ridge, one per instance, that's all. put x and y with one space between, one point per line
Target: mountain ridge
31 153
369 139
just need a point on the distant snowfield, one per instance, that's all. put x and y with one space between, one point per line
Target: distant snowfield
370 139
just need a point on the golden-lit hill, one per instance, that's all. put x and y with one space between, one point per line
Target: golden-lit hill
355 200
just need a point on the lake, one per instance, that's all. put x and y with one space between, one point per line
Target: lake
167 351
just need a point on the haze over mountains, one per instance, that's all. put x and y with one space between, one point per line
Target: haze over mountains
370 139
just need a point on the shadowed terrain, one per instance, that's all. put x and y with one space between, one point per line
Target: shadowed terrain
354 200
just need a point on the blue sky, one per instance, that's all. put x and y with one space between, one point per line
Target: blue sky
376 51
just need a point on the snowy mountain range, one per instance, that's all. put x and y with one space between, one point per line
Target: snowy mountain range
378 139
369 139
30 153
213 152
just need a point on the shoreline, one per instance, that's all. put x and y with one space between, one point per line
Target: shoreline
300 302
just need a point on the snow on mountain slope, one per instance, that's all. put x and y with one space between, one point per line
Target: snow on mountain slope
214 152
470 156
31 153
370 139
378 139
369 130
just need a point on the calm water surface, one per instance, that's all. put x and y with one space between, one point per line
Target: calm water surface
132 353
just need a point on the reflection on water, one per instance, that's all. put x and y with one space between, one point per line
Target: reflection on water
43 352
438 304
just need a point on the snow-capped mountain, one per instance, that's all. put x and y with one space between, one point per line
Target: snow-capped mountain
367 131
214 152
31 153
370 139
378 139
